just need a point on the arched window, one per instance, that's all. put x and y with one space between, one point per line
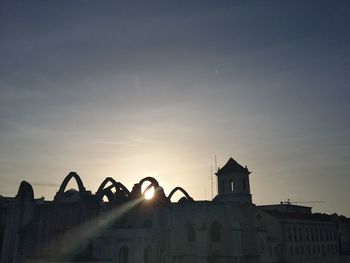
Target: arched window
231 185
124 255
215 232
147 255
190 232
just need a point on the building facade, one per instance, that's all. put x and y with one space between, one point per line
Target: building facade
290 233
121 226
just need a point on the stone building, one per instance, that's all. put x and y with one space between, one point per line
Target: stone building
290 233
121 226
80 226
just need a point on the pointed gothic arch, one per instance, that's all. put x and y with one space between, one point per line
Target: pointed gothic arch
188 197
119 187
65 182
109 194
152 180
25 192
153 183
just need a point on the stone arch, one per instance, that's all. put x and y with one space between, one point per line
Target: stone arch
65 182
109 194
188 197
123 256
153 183
152 180
215 230
25 192
114 184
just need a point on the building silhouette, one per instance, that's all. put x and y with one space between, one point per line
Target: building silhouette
121 226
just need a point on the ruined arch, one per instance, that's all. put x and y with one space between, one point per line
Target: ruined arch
65 182
152 180
114 184
153 183
188 197
25 192
109 194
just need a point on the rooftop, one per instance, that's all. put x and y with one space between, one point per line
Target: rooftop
298 216
232 167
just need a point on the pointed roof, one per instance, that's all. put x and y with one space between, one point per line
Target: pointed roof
232 167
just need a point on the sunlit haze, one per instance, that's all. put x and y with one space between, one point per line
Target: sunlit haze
108 88
149 193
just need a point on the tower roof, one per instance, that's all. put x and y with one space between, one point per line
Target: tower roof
232 167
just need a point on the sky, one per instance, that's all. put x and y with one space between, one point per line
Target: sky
130 89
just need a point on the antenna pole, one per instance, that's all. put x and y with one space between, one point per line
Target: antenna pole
216 169
211 181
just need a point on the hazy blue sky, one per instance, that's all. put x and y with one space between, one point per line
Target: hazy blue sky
137 88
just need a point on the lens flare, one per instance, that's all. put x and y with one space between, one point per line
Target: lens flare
149 193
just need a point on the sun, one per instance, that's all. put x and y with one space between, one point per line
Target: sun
149 193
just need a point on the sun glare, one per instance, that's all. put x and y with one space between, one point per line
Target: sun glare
149 193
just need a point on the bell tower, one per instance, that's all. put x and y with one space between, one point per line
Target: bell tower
233 183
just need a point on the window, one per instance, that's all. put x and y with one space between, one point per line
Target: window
295 234
124 255
289 234
231 185
190 232
262 245
291 251
215 232
300 234
147 255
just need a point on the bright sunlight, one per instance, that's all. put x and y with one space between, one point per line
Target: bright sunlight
149 193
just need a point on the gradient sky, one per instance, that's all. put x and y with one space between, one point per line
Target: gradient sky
131 89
